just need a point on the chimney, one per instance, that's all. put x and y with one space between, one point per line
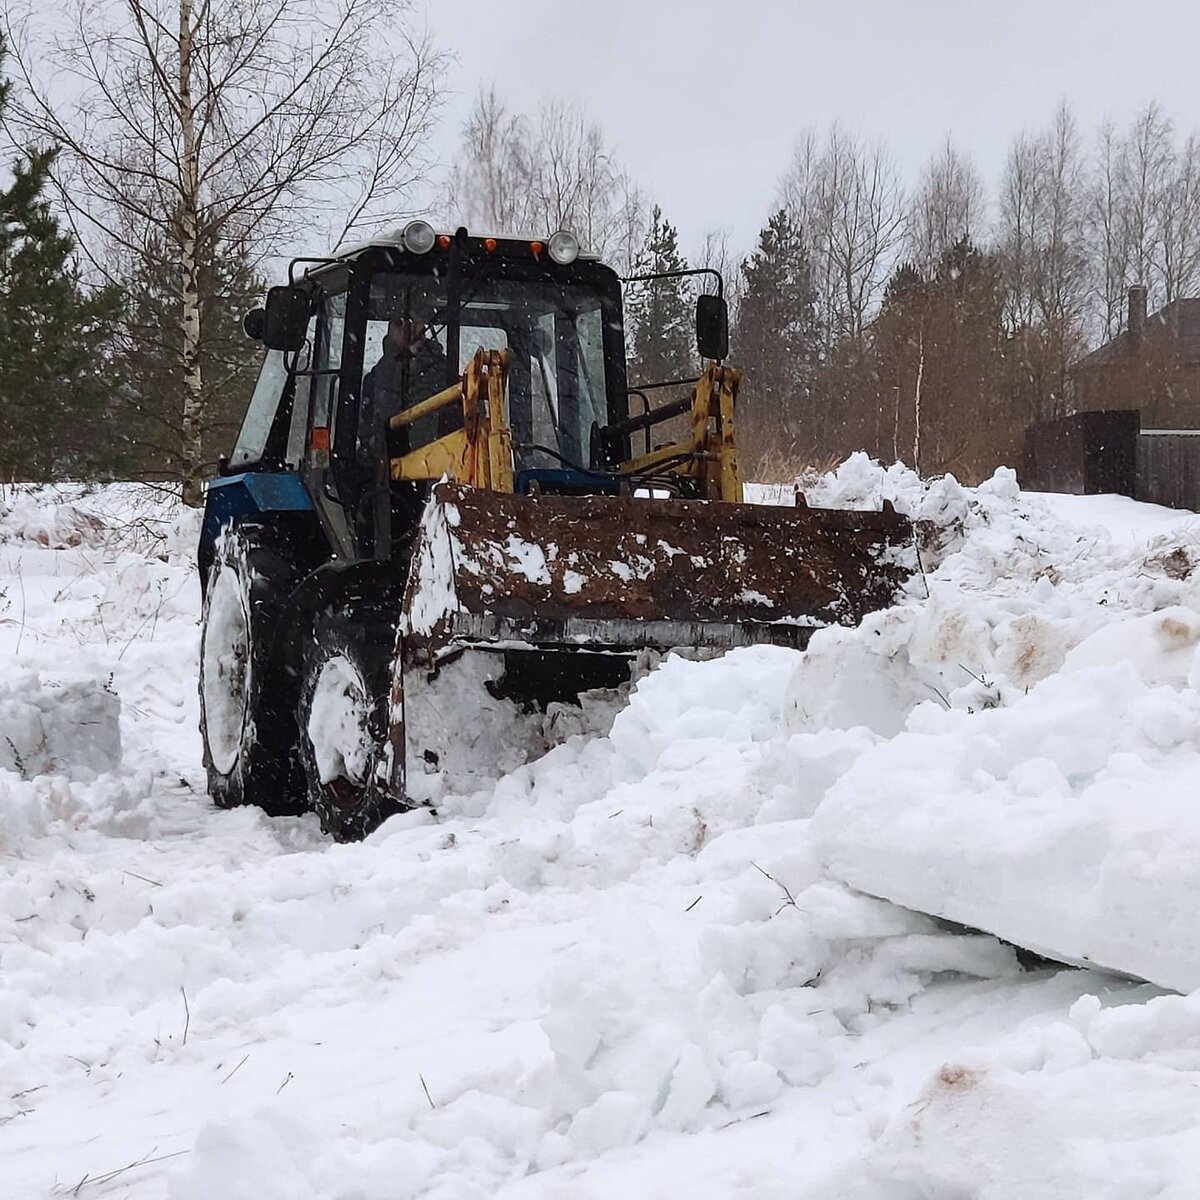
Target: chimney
1137 311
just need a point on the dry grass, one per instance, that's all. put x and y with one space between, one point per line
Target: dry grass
786 464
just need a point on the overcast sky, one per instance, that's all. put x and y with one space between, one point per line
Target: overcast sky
704 98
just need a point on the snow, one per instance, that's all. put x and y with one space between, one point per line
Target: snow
225 665
337 722
632 967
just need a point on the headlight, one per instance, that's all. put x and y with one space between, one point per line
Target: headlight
418 237
563 247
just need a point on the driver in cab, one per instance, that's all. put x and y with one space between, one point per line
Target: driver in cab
411 369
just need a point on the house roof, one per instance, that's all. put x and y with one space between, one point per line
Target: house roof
1178 322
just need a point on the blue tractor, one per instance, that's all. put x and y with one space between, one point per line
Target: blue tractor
448 512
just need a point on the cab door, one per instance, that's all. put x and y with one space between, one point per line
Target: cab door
327 474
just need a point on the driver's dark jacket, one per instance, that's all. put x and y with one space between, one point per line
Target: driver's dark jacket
402 378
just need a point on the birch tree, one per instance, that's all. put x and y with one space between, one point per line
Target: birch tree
947 205
556 170
845 196
197 125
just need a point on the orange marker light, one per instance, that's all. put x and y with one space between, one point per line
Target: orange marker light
319 438
489 244
443 241
537 249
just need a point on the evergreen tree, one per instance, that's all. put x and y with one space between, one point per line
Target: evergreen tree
938 373
776 340
146 435
55 335
659 316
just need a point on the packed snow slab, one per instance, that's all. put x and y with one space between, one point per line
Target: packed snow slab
1037 765
61 725
1067 824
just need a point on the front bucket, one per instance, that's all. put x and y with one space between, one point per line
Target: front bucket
518 606
619 573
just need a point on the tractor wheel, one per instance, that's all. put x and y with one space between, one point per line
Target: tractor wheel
342 718
247 709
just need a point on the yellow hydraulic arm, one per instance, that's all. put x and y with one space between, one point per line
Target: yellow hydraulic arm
709 455
480 453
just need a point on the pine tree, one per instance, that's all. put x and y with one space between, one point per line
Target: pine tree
658 314
147 433
776 340
939 370
55 335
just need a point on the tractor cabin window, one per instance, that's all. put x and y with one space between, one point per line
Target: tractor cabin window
553 332
268 394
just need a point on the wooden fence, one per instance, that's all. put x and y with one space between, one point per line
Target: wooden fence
1168 467
1085 453
1093 452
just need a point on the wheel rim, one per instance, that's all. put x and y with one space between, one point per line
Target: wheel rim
225 669
338 731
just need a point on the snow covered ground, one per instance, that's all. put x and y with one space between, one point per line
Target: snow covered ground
631 969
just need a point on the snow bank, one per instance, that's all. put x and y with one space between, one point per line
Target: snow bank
1035 720
59 726
98 614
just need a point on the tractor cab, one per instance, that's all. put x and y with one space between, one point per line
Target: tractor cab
381 329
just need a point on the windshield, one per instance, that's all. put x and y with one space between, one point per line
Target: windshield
260 414
554 335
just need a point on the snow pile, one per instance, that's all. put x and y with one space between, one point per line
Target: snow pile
1101 1103
58 726
1036 719
87 575
614 952
120 516
1007 591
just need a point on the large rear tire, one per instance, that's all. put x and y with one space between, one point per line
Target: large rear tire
247 706
342 720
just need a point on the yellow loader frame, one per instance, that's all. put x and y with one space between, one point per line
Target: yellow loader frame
480 454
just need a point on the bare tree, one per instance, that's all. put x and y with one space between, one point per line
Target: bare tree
1060 279
1145 170
1177 256
1042 230
1108 245
492 181
948 205
845 195
1143 216
557 171
717 254
189 125
1020 220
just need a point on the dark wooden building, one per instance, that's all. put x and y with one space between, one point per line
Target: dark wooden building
1135 428
1152 366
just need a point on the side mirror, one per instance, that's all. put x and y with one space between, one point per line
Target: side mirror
285 324
712 327
254 324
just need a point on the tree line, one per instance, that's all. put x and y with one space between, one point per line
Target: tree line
935 325
167 153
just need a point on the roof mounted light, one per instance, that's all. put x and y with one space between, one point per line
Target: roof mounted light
418 237
563 247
